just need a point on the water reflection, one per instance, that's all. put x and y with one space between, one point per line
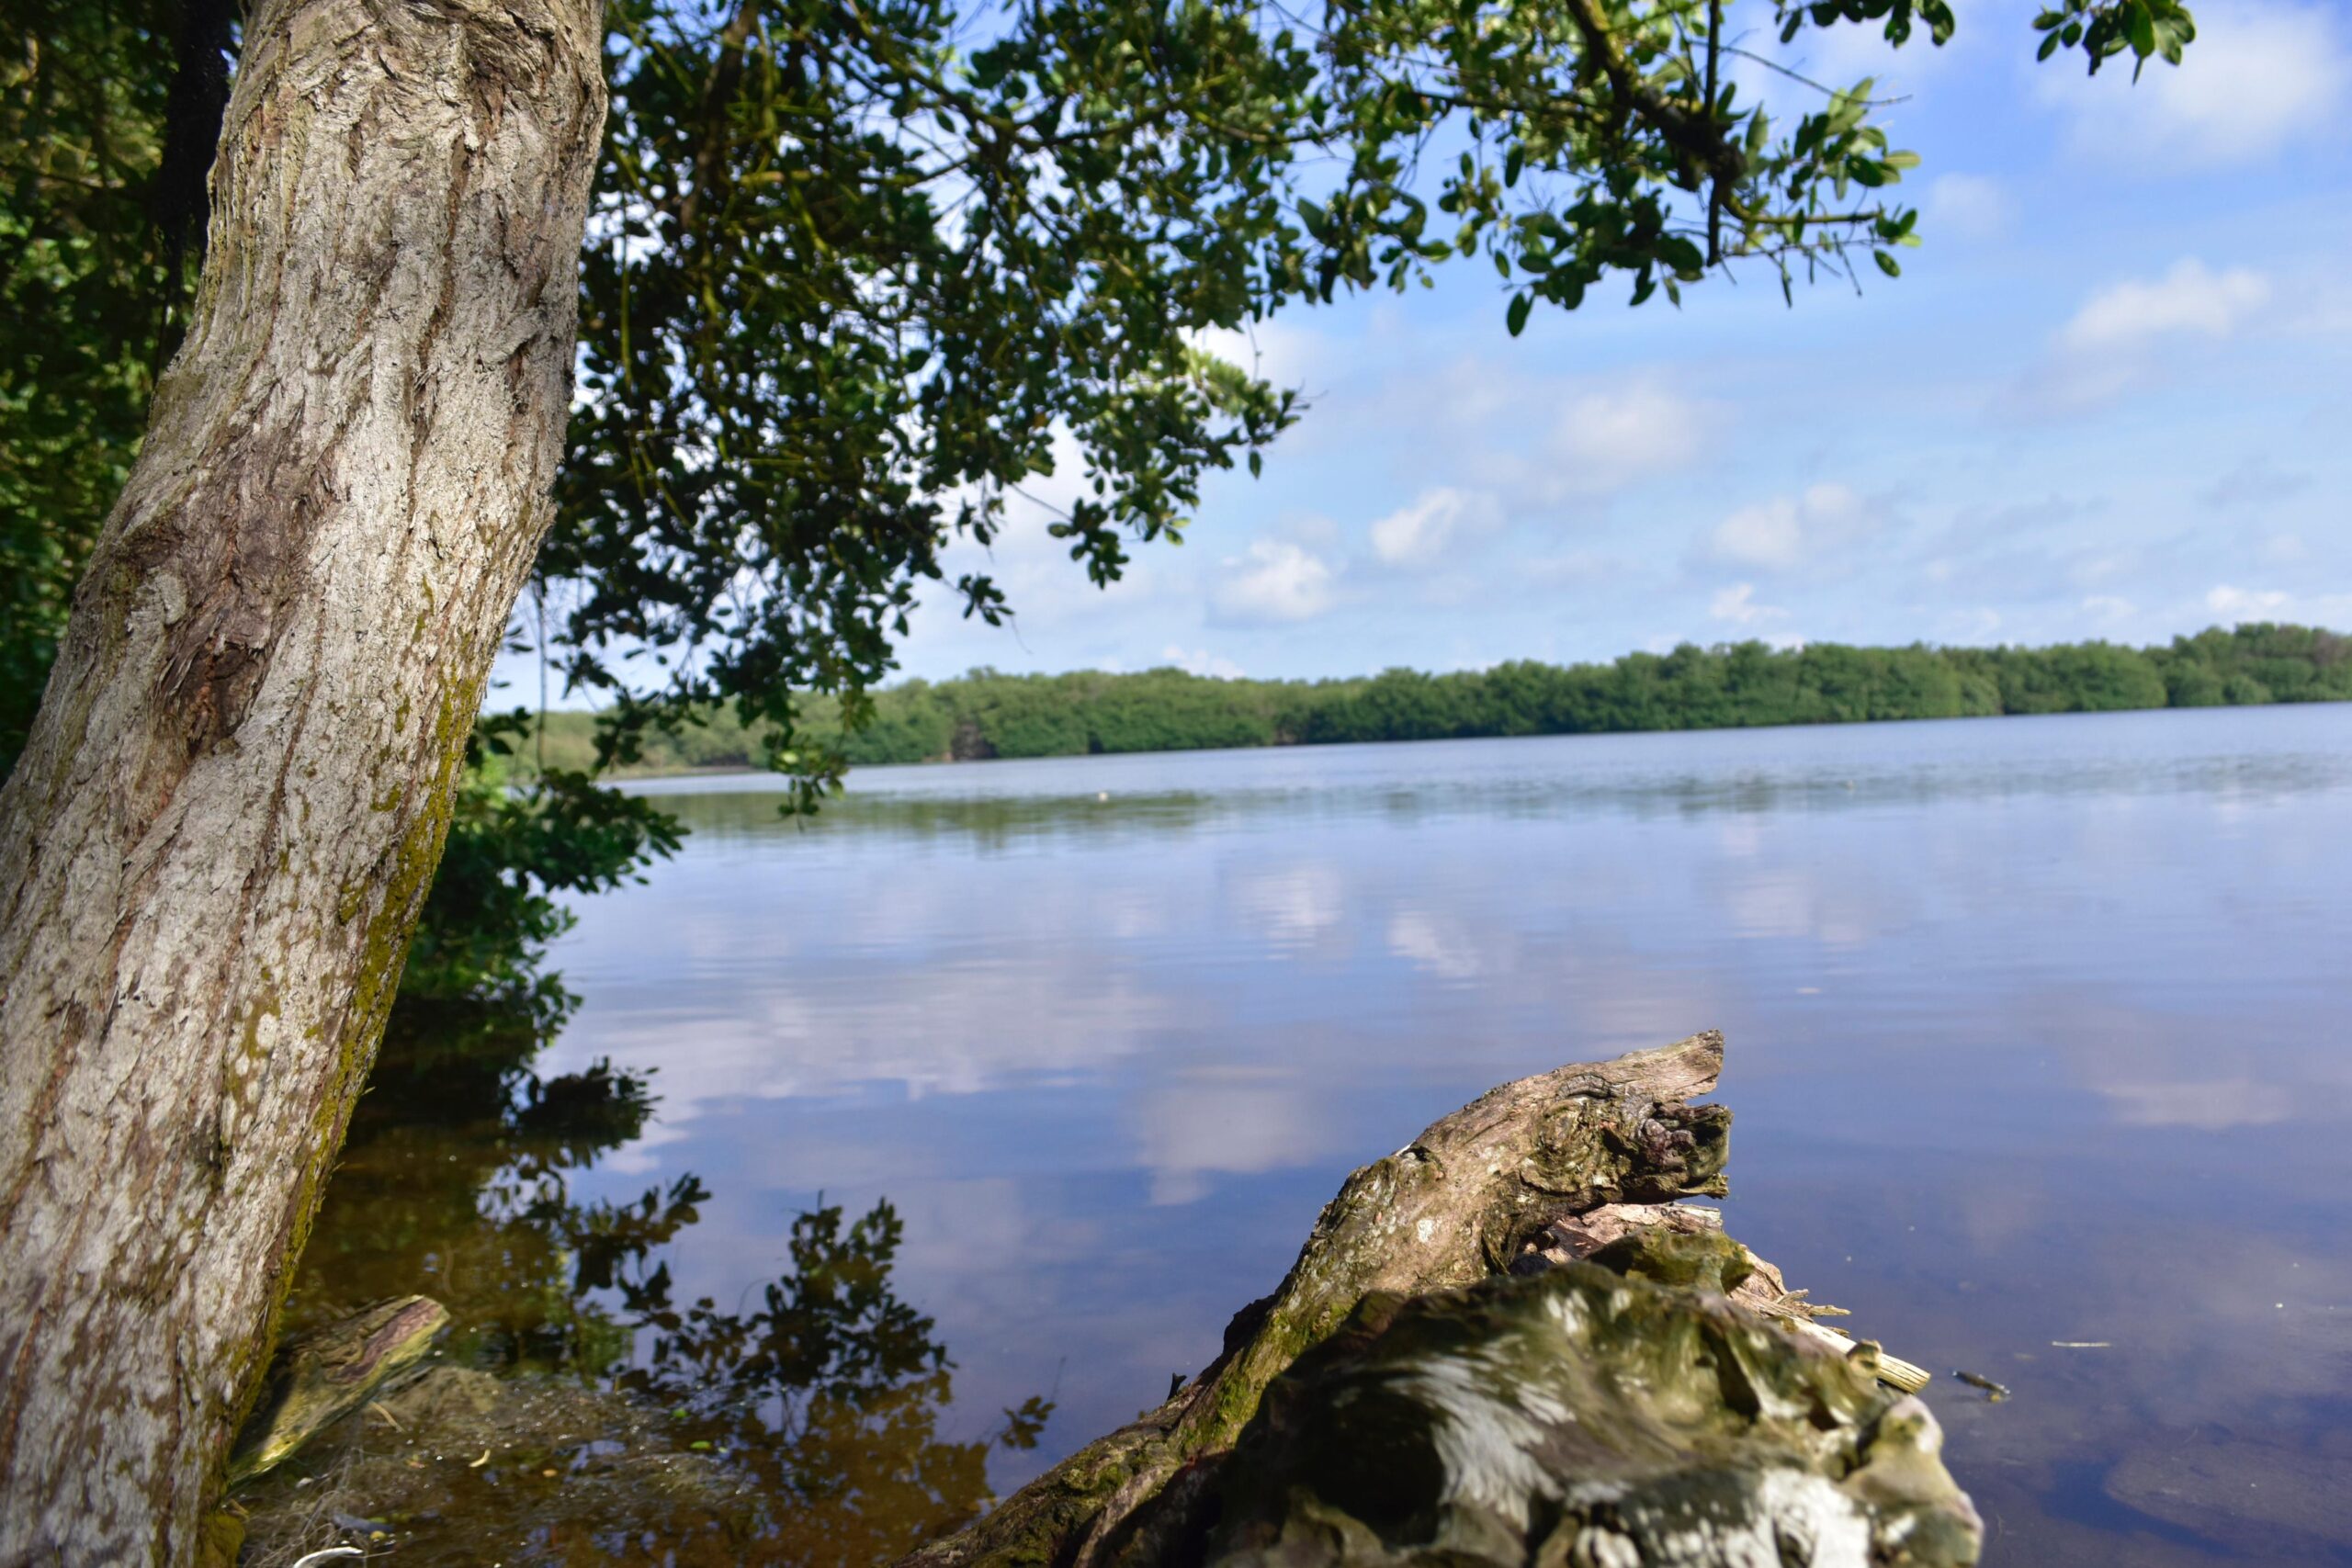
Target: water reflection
829 1392
2036 1036
821 1401
455 1182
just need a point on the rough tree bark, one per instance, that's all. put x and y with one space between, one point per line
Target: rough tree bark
213 849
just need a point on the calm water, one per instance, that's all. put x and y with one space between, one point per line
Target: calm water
2037 1033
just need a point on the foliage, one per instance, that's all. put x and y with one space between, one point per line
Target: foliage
86 293
829 1393
512 847
987 714
454 1180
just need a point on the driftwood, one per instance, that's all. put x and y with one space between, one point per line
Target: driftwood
1486 1218
319 1378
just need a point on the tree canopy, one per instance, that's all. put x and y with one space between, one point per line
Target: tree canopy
1733 685
857 265
859 269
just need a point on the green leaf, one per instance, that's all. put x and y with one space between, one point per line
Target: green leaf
1516 317
1887 264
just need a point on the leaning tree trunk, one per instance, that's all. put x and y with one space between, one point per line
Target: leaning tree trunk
214 846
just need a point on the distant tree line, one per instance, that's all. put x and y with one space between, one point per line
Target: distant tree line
1731 685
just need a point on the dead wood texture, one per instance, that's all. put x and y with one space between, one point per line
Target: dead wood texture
1452 1207
325 1375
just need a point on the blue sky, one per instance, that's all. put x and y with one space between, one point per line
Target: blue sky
2111 396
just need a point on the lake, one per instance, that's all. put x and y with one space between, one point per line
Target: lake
2038 1050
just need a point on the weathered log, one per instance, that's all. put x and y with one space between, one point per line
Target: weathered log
1506 1344
320 1377
1452 1207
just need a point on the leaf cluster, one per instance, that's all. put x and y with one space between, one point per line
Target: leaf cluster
2149 29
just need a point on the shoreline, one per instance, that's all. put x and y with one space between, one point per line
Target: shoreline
744 770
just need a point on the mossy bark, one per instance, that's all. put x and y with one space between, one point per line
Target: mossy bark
214 846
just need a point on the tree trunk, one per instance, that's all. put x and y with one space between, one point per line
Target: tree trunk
213 849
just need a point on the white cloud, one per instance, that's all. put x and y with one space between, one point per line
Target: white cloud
1275 351
2245 603
1292 906
1222 1120
1969 207
1437 522
2121 337
1200 661
1536 441
2108 609
2260 75
2233 604
1778 535
1276 581
1446 948
1604 441
1975 626
1737 606
2189 300
2211 1107
2255 483
1769 534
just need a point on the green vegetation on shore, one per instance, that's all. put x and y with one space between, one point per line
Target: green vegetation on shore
986 713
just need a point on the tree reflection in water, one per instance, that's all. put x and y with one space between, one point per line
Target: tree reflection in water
830 1393
826 1398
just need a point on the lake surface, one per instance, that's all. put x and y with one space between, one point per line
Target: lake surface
2039 1048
